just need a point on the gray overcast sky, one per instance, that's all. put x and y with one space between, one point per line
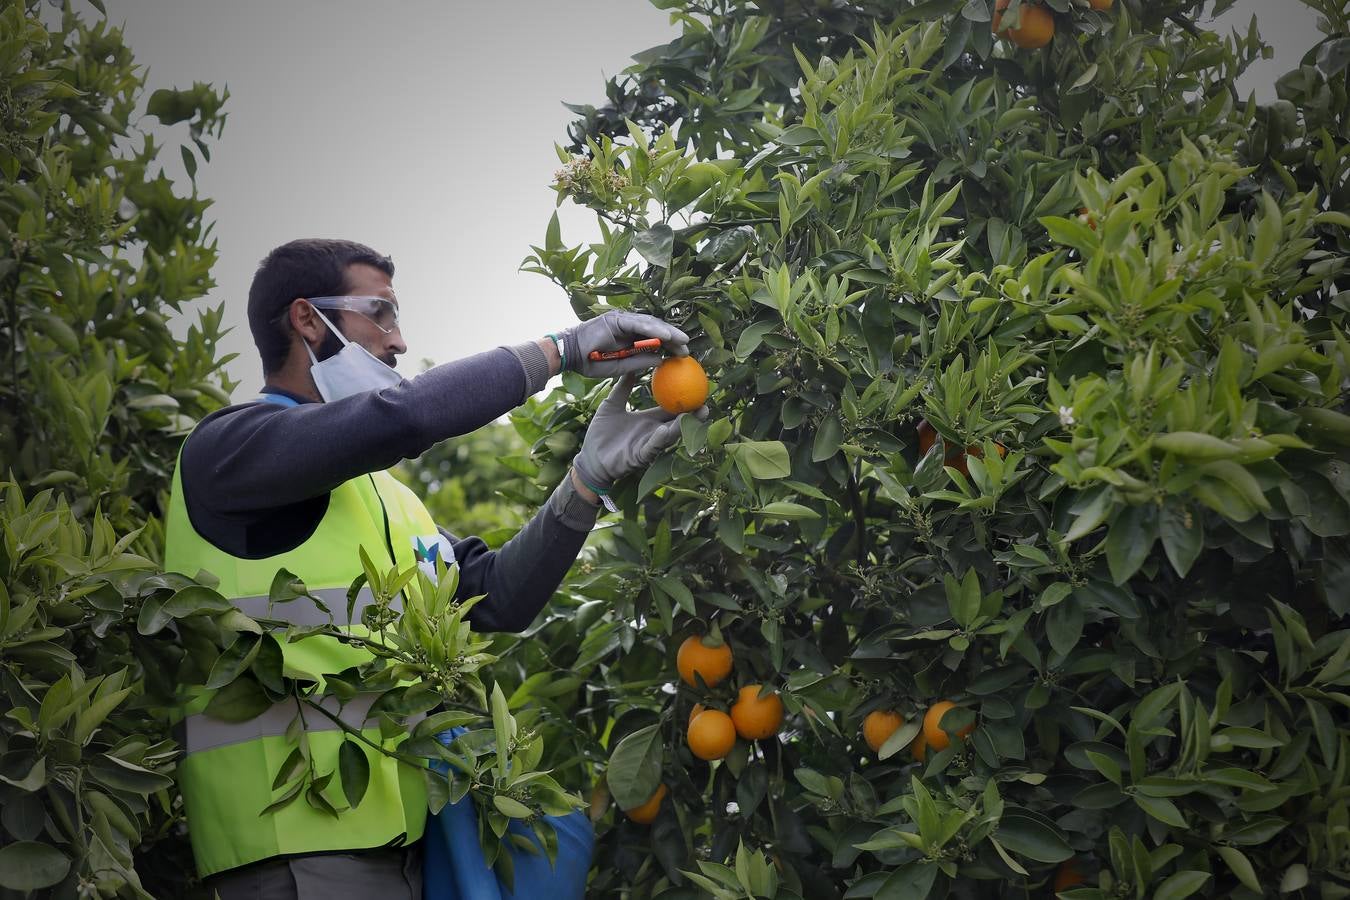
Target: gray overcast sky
426 129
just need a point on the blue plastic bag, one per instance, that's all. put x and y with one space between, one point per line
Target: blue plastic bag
454 868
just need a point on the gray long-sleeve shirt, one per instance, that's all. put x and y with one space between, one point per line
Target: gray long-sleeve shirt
257 476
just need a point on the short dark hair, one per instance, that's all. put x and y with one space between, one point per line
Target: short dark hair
309 267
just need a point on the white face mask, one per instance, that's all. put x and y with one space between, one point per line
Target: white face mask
352 370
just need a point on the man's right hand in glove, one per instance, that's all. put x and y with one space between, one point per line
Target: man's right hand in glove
620 441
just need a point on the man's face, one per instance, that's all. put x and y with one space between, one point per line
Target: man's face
368 281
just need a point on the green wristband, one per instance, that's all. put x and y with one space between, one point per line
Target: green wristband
562 353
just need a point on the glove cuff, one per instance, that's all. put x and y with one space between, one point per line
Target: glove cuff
572 360
571 509
594 484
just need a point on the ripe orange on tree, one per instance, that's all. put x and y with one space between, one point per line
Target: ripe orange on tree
646 813
711 734
713 663
756 717
978 453
927 436
879 725
953 456
1068 875
679 384
933 734
693 713
1034 29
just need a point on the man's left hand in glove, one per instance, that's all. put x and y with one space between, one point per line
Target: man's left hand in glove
620 441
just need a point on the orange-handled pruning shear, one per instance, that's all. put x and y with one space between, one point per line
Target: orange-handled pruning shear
649 345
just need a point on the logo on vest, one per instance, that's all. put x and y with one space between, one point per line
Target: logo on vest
428 549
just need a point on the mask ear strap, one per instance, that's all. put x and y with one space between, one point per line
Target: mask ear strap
312 359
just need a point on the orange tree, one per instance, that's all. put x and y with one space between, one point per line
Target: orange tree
1115 290
98 248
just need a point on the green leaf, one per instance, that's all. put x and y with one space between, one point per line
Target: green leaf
239 701
900 739
1106 765
782 509
354 771
1195 445
912 881
30 866
635 767
1162 809
1090 514
195 600
285 587
1181 884
1295 878
511 807
1064 625
750 339
1071 233
1130 539
1183 535
828 438
1031 836
798 135
676 589
233 660
765 460
963 598
503 726
114 772
656 244
1240 866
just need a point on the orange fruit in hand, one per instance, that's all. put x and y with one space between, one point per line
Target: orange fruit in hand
680 385
933 735
711 734
1034 30
646 813
712 663
879 725
756 717
1068 875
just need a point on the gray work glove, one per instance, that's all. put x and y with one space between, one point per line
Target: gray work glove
616 330
619 440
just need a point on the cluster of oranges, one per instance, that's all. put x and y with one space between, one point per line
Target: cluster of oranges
1035 26
758 714
711 733
882 723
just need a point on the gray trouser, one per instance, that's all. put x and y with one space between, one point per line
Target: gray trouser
385 874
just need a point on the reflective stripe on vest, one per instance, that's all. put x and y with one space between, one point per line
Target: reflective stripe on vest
303 611
207 733
226 775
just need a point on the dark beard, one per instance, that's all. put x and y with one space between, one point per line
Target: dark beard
330 345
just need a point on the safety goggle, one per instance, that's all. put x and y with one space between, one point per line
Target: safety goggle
382 313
